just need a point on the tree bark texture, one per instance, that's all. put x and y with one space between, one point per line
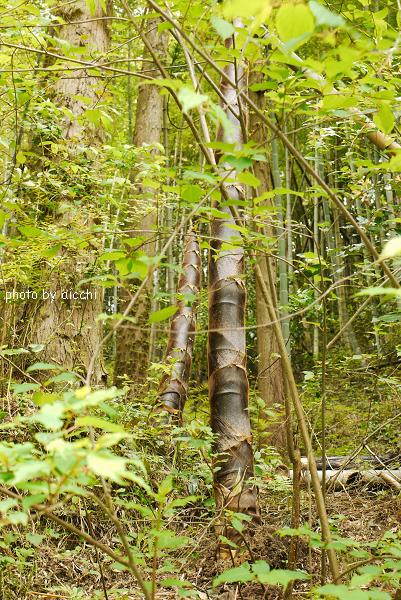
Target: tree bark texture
68 328
270 374
132 341
228 382
174 387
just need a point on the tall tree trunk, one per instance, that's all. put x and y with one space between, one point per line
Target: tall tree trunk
228 382
68 328
132 341
174 387
270 374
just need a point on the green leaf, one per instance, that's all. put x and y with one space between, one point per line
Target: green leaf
324 16
30 469
165 487
191 193
99 424
338 102
31 232
379 291
294 23
248 178
384 119
50 416
41 366
391 249
107 465
223 28
250 8
240 574
163 314
63 377
22 388
41 398
168 540
190 99
35 538
277 576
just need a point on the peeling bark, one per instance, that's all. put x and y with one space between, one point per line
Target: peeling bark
174 387
228 382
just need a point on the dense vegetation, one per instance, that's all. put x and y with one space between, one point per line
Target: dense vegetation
200 299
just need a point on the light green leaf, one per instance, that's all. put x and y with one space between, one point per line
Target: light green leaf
21 388
31 232
223 28
107 465
248 178
392 248
338 102
168 540
379 291
30 469
250 8
50 416
324 16
163 314
40 366
240 574
190 99
294 23
384 119
165 487
99 423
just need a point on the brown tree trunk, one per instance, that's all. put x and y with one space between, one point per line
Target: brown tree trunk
228 382
270 374
68 327
132 341
174 387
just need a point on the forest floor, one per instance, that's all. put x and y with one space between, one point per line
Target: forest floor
66 571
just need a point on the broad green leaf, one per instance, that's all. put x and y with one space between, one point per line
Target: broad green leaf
168 540
391 249
295 23
41 398
112 255
30 469
190 99
384 119
223 28
338 102
22 388
250 8
324 16
41 366
99 423
379 291
248 178
50 416
63 377
107 465
31 232
163 314
166 486
191 193
35 538
240 574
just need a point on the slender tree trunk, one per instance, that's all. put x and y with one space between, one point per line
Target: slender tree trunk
133 341
174 387
282 253
270 375
69 328
228 382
